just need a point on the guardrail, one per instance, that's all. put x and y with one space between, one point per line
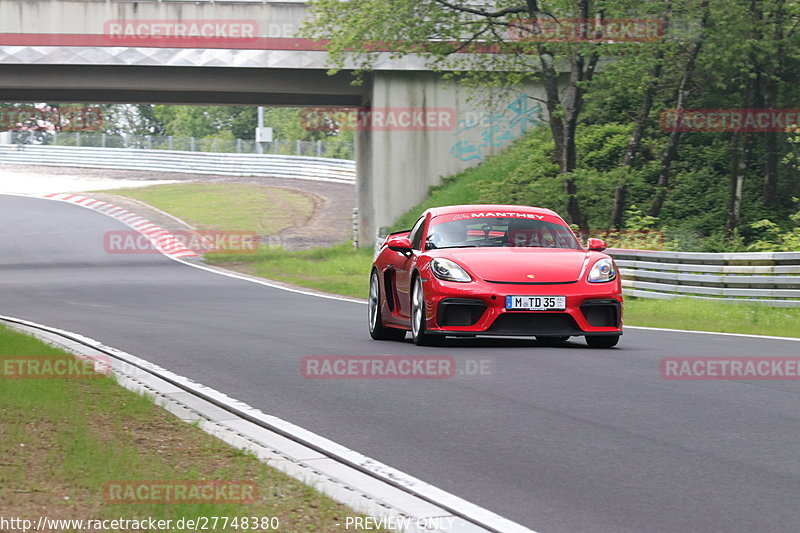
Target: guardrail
771 278
226 164
328 148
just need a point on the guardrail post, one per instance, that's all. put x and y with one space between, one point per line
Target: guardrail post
238 146
102 140
319 148
77 138
191 144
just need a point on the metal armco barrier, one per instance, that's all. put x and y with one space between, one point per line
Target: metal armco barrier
771 278
227 164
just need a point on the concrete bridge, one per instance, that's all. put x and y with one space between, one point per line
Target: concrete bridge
416 129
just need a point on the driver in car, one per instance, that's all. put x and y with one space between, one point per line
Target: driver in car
450 234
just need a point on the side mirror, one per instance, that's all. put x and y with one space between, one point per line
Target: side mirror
596 245
399 243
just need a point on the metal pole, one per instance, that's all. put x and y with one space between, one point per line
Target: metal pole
260 146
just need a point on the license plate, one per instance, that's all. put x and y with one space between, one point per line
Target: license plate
537 303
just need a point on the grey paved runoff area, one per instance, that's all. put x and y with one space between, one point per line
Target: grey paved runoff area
562 440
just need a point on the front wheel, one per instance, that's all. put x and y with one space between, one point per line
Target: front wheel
376 328
418 317
602 341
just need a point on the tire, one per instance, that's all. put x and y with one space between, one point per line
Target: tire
418 334
550 340
602 341
377 330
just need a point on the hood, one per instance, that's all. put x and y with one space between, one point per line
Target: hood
517 265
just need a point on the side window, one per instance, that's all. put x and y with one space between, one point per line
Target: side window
416 234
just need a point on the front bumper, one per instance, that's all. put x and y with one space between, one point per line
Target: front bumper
478 308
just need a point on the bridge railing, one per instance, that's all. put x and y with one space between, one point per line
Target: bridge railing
771 278
226 164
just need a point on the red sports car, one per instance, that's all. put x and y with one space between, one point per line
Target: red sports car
504 270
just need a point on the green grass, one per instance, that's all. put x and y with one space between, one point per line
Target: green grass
227 206
62 440
704 315
338 269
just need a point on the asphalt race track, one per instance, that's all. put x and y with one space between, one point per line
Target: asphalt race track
562 440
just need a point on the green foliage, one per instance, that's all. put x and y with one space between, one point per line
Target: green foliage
693 217
443 34
205 121
236 122
770 237
747 55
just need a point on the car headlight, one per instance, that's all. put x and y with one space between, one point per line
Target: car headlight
449 270
602 271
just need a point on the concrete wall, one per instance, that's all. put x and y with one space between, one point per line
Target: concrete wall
397 166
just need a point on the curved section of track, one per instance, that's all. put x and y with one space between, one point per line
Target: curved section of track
566 439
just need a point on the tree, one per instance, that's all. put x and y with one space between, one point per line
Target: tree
131 119
671 151
499 44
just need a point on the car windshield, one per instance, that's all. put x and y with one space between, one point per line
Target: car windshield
500 232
